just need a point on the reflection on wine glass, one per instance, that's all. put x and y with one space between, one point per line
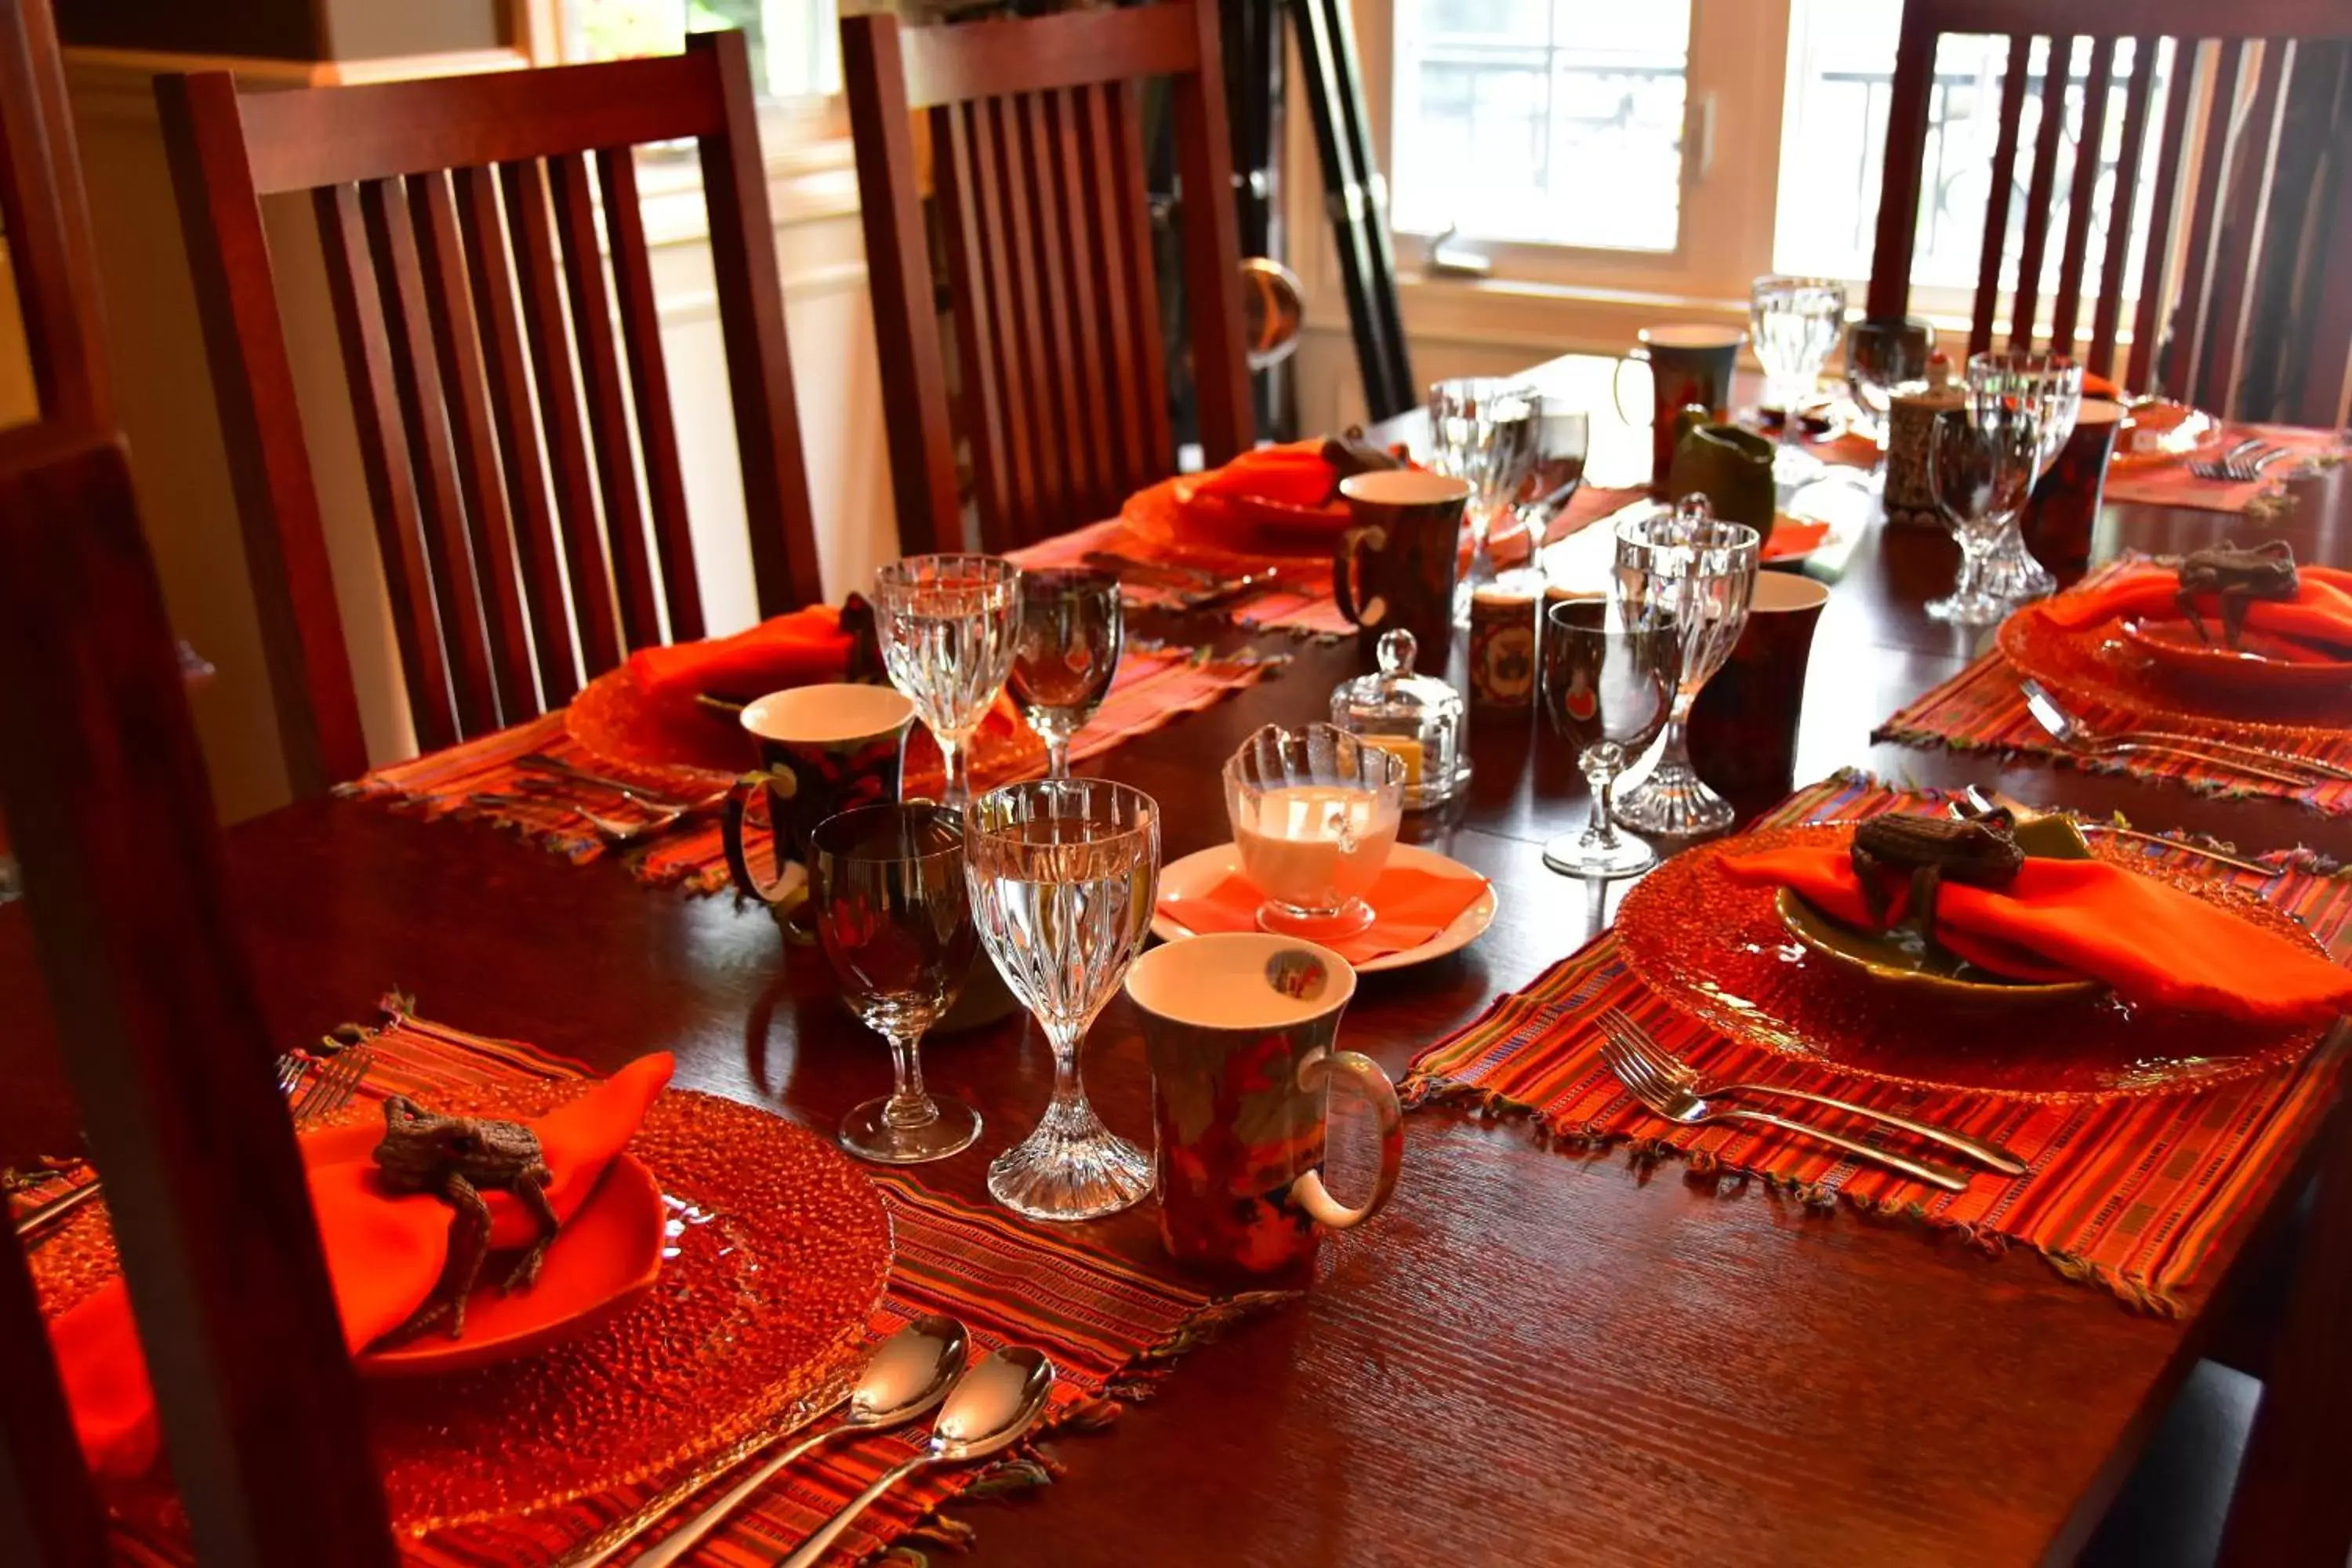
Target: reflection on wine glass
1483 429
1554 471
894 916
947 624
1064 875
1609 679
1794 323
1315 812
1700 570
1071 633
2045 389
1981 470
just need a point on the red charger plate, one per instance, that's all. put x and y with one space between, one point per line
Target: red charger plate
2257 664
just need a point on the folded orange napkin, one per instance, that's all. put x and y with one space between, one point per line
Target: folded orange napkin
1409 907
1293 473
1792 537
2320 612
2067 918
797 650
384 1253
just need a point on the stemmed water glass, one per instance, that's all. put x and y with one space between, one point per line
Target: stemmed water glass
1981 470
894 917
1482 428
1554 470
1794 323
948 626
1064 875
1071 629
2046 389
1700 570
1609 680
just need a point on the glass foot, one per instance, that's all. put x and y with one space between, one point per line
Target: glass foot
1572 856
1673 801
1970 609
867 1133
1072 1167
1351 919
2016 577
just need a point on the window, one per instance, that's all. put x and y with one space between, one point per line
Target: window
795 48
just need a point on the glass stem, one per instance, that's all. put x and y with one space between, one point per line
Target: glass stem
955 790
1068 1089
1601 765
1057 750
909 1107
1675 757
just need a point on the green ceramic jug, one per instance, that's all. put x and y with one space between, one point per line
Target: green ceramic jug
1731 467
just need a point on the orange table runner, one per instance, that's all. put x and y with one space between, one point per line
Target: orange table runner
2131 1193
2171 484
1109 1327
1153 686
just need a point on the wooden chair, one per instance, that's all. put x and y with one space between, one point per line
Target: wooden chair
45 217
2217 150
169 1058
459 223
1036 147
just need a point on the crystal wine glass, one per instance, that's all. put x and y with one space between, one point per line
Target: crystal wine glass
1071 633
1794 323
2047 389
1554 471
894 917
1700 570
948 626
1315 812
1981 468
1064 875
1609 679
1482 428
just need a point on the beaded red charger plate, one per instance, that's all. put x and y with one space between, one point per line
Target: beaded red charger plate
622 725
1168 514
2097 665
1715 948
778 1253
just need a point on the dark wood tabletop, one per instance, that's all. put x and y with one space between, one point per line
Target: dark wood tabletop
1532 1355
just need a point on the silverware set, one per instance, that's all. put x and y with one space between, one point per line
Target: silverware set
984 1407
2235 756
1977 803
653 812
1196 587
309 1098
2242 464
1669 1088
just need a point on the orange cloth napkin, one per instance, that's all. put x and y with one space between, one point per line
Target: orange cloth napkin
797 650
2321 611
1792 537
384 1253
1409 907
2065 919
1292 474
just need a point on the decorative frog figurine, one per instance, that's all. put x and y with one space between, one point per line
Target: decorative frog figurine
456 1158
1981 852
1354 453
2238 577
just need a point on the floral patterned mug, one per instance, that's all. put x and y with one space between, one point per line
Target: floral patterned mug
1239 1029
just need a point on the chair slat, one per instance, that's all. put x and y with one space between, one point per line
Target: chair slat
1007 368
507 378
1125 323
352 287
600 380
2108 317
458 350
1143 273
2074 259
2187 332
2320 400
525 188
1211 244
2057 68
1050 223
2180 91
417 382
2004 177
1907 102
1094 387
1048 510
2245 217
45 216
979 363
632 279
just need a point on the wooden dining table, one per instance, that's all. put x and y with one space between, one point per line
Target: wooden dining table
1532 1355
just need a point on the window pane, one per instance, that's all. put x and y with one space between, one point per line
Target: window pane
1556 122
1833 144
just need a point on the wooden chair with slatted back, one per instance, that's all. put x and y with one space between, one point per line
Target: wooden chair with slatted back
45 217
171 1062
2218 145
1036 141
459 222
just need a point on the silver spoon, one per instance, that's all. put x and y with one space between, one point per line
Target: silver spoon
991 1406
911 1371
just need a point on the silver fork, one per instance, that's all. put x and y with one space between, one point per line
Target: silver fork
289 1070
612 829
336 1083
635 794
1680 1105
1980 804
1639 1042
2227 468
2257 762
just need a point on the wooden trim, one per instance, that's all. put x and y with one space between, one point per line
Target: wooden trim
2127 18
992 59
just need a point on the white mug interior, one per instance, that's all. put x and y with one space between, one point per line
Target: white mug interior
1230 980
829 714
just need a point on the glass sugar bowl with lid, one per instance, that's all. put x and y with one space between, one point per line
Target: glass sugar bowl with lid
1418 717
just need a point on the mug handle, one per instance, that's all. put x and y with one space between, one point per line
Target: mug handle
1356 1074
1346 559
770 782
1617 384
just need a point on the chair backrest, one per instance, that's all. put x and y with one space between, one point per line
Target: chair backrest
164 1040
1036 141
459 219
45 217
2217 148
